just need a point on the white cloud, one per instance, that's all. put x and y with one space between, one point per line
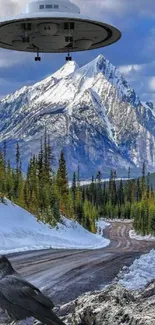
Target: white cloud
11 58
8 86
130 69
93 7
145 69
148 47
148 97
11 7
142 78
151 83
118 7
15 6
118 12
102 8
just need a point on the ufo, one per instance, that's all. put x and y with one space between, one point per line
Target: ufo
55 26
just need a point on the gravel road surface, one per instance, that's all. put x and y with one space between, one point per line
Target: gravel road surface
65 274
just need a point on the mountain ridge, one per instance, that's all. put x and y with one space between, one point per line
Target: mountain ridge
90 112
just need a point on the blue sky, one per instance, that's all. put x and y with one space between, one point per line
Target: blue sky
134 54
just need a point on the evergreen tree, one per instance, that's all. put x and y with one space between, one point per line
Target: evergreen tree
121 193
78 177
138 191
62 184
143 178
4 153
74 189
99 188
148 186
18 178
92 191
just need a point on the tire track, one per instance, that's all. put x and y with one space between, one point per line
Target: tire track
65 274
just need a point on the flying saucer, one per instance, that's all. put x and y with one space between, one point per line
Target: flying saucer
55 26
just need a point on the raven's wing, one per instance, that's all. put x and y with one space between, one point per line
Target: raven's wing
37 294
23 294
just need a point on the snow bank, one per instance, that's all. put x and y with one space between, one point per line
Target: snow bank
120 220
101 224
133 235
140 272
20 231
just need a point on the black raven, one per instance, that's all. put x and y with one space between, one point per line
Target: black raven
21 300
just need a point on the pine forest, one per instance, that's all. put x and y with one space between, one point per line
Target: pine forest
48 194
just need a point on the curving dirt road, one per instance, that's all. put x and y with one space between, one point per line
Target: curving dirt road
65 274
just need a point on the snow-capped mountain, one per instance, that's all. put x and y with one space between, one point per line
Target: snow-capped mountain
90 112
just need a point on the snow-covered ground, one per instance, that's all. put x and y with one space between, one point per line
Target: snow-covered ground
119 220
133 235
140 272
101 224
20 231
103 180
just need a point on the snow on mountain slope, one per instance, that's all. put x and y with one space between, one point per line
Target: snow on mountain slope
69 68
91 113
20 231
105 71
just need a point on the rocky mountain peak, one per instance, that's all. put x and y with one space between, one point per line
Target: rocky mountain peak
66 70
90 112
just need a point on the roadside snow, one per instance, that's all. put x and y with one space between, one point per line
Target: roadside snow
133 235
20 231
101 224
119 220
140 272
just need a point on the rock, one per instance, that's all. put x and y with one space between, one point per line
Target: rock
114 305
